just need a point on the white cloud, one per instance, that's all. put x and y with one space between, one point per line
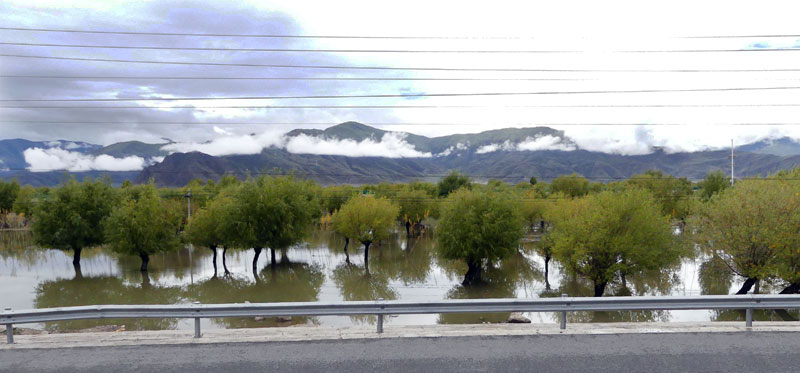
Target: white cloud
41 160
392 145
532 144
451 149
221 131
228 145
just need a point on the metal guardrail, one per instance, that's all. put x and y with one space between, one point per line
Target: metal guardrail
381 308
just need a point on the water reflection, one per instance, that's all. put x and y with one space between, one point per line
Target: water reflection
83 291
317 270
283 282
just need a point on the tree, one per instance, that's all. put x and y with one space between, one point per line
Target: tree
753 228
24 203
673 194
274 213
366 219
72 217
453 182
333 197
571 185
479 227
714 183
8 194
213 226
415 206
144 225
607 234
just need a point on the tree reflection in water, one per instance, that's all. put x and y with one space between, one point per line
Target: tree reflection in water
84 291
716 279
647 283
284 281
356 283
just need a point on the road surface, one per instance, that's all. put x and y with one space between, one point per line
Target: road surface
670 352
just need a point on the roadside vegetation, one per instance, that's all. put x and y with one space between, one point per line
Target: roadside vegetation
600 233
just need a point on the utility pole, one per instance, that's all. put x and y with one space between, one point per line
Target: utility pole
189 201
189 215
732 156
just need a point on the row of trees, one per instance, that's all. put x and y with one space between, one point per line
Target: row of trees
603 232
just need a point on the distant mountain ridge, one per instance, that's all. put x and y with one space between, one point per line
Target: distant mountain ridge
495 154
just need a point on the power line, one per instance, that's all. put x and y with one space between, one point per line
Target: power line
296 172
415 51
285 78
405 68
405 124
408 106
401 37
404 95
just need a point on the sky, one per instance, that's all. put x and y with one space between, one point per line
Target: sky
594 35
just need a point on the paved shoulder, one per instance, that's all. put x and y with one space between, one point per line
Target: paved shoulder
753 351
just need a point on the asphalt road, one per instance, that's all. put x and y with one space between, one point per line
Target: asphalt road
679 352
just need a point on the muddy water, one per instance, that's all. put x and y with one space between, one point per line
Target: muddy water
319 270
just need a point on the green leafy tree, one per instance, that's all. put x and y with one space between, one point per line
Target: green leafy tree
333 197
213 226
611 233
452 182
571 185
26 201
714 183
366 219
478 227
8 194
671 193
144 225
72 217
533 180
415 206
753 229
274 213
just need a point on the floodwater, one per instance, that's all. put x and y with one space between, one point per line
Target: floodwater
319 270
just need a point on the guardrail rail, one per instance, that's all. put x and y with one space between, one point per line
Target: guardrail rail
380 308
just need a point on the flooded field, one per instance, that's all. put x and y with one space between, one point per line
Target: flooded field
319 270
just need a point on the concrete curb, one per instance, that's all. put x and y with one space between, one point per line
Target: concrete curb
322 333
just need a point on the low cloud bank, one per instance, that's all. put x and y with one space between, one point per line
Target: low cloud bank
531 144
391 145
52 159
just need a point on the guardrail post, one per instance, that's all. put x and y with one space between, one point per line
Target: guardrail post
9 330
380 316
749 318
197 324
563 316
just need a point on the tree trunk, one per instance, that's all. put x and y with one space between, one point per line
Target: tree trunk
76 257
748 284
255 259
793 288
547 270
225 265
600 288
408 228
145 280
473 275
214 258
78 272
366 255
346 255
145 261
272 258
757 287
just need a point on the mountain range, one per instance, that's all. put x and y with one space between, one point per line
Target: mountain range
511 154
